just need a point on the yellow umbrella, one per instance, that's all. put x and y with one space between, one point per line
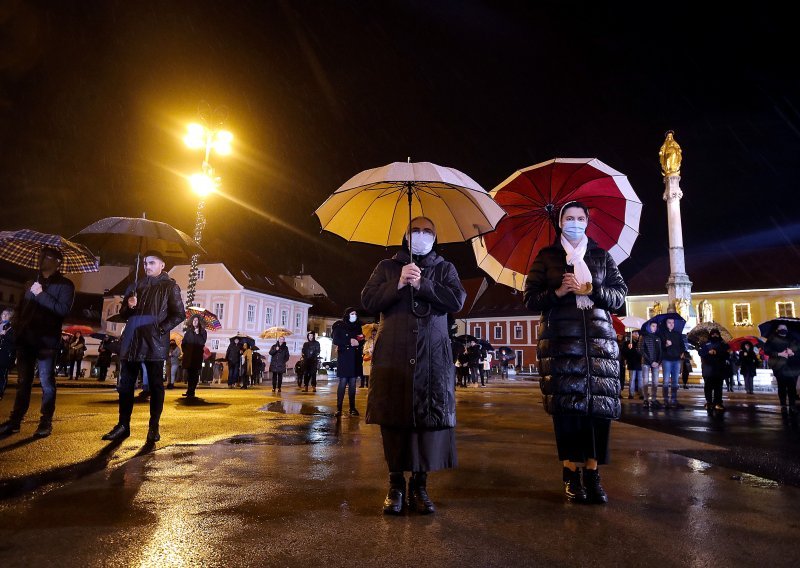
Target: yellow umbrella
367 328
176 336
377 205
275 332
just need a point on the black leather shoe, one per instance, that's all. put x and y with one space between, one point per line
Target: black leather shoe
8 428
118 432
395 502
153 435
594 491
44 430
573 488
418 499
354 412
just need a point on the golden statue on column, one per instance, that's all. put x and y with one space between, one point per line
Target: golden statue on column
670 156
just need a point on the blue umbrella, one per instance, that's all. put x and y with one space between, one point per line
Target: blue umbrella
661 320
792 324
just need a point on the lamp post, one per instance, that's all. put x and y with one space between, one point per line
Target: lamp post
201 136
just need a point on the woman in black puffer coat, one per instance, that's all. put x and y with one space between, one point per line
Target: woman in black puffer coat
577 351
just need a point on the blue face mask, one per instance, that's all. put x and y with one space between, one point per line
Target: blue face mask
574 230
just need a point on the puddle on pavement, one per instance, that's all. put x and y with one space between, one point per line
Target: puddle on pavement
305 409
321 432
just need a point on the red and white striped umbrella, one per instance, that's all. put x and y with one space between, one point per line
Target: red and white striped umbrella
533 197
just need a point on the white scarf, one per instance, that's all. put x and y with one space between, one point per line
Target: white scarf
582 275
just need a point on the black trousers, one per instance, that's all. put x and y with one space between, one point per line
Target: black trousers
127 384
787 388
277 380
310 376
192 377
713 389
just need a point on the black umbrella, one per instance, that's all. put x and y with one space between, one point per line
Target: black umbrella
506 353
466 338
700 333
767 328
134 235
245 339
485 344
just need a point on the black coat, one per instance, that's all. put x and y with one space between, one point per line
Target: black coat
349 359
412 381
748 362
310 353
716 365
37 320
650 348
8 350
675 349
279 356
577 351
104 354
633 359
233 352
782 367
159 309
192 347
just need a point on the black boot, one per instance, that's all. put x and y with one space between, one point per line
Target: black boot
418 499
395 501
594 491
45 428
573 489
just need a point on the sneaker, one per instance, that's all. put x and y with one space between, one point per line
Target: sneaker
8 428
44 430
719 407
354 412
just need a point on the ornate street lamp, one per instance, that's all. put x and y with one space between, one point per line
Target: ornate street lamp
207 136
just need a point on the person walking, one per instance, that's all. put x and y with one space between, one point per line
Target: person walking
192 345
633 360
174 361
310 353
748 363
574 284
650 348
349 339
246 371
278 358
671 350
103 359
232 358
369 347
8 350
37 324
412 382
77 347
714 358
782 350
151 308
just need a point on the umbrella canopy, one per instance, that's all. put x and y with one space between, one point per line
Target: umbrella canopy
506 353
116 318
24 247
376 205
768 327
245 339
275 332
177 337
619 325
210 319
736 343
101 336
485 344
134 235
368 328
700 333
466 338
533 198
661 320
83 329
632 322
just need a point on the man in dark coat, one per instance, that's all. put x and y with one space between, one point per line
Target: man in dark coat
151 309
349 339
714 358
310 353
412 383
8 351
37 326
782 349
232 356
279 356
671 350
651 350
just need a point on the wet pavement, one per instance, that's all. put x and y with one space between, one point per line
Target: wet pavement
253 480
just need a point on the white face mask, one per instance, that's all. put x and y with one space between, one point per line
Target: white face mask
353 318
574 230
422 243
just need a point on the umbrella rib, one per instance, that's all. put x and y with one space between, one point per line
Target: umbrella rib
364 214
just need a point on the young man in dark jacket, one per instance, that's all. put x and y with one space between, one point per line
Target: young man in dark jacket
37 324
714 356
152 308
650 348
672 349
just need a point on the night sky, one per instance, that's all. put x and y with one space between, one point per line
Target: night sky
95 96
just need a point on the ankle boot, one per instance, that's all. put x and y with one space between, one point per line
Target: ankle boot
418 499
395 501
573 489
594 491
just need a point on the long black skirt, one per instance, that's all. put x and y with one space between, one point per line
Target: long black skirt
411 449
580 438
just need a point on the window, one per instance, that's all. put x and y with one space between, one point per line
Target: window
517 331
328 330
113 327
284 318
297 319
251 313
498 332
268 317
741 314
476 331
784 309
219 310
201 275
215 344
519 361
